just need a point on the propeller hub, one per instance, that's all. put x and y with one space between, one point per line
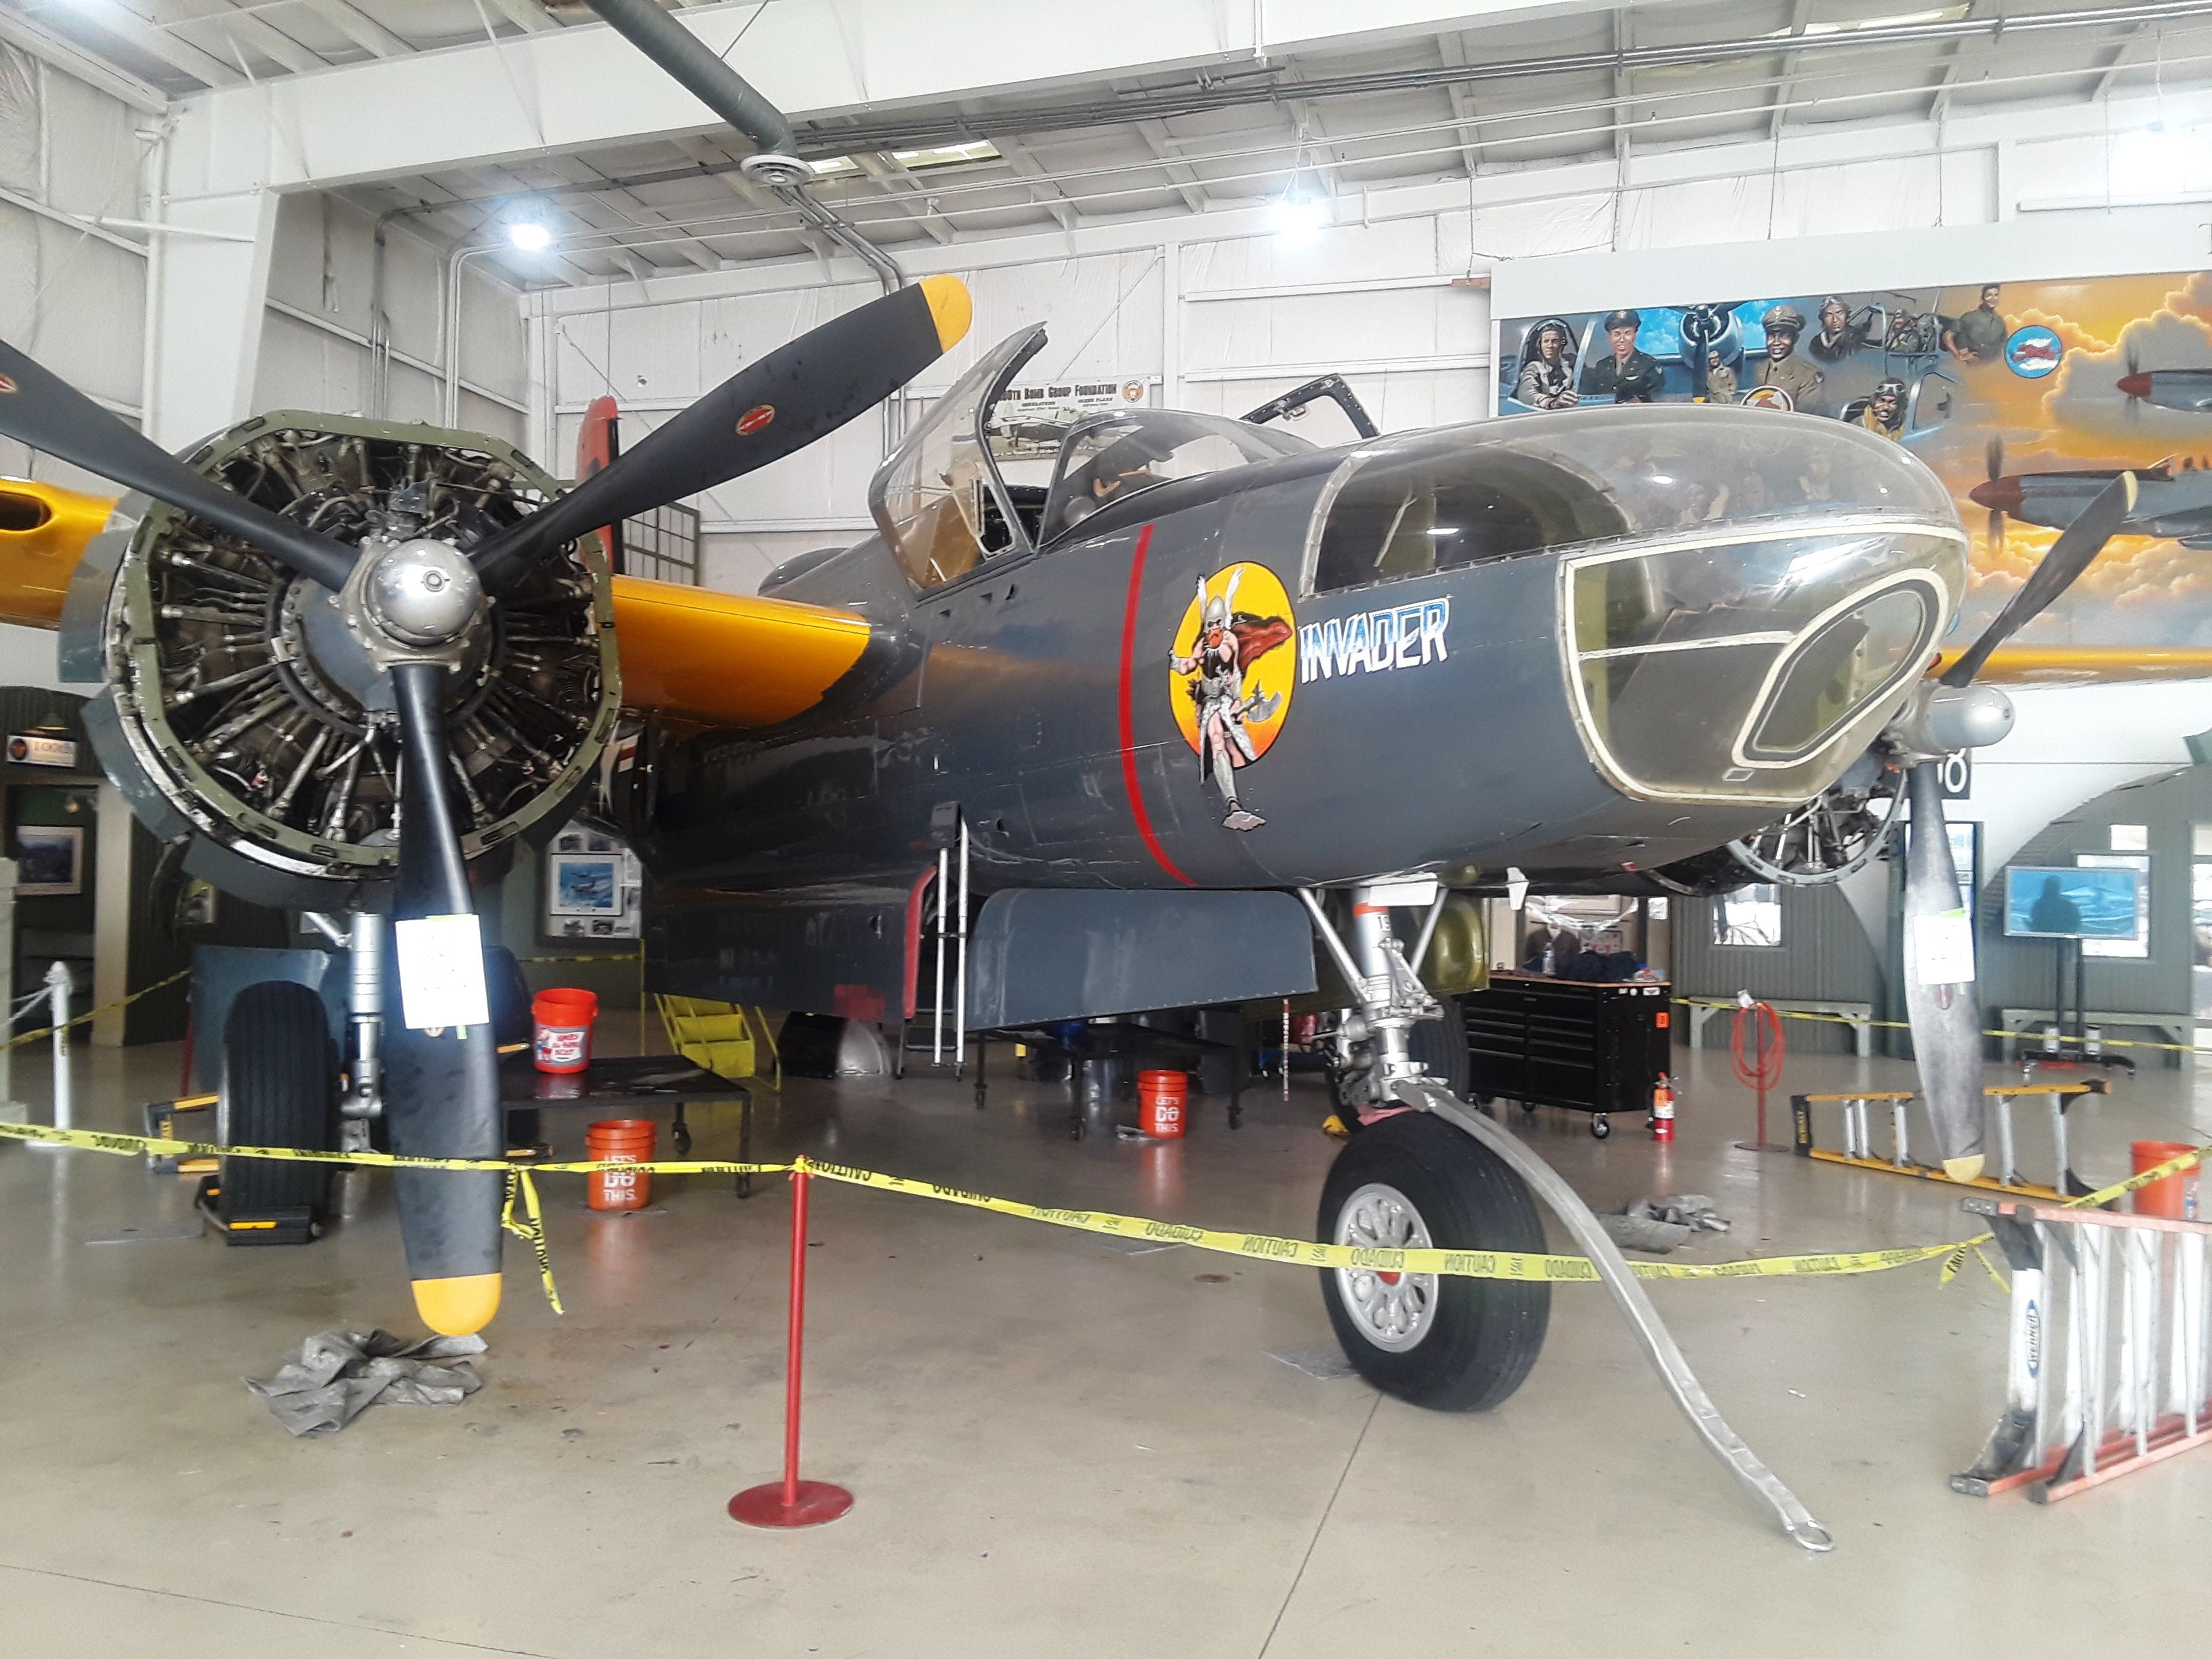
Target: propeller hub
2002 495
422 593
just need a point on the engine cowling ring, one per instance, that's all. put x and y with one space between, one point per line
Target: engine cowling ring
228 720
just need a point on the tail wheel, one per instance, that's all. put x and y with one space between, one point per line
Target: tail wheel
280 1088
1413 1182
1440 1045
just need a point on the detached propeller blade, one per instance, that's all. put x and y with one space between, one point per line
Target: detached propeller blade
1939 980
770 408
1940 1003
46 412
442 1097
2076 548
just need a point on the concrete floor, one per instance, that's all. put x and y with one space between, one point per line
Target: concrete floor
1057 1444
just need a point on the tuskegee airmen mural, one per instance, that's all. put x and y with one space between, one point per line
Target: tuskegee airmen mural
2024 399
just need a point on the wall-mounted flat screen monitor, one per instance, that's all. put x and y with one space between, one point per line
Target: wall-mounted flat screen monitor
2064 902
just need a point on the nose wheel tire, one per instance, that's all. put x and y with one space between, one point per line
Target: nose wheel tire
1415 1181
280 1088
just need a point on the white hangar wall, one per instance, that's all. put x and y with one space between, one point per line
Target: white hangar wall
315 336
1217 312
74 293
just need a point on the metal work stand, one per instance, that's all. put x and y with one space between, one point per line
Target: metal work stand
639 1085
1131 1039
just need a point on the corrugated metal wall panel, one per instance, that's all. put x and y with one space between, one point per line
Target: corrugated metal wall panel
1824 953
2018 972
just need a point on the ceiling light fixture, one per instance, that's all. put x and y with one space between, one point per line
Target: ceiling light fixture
529 236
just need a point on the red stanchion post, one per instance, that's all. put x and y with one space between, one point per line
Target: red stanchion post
792 1502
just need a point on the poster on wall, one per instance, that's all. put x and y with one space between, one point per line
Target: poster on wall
2025 398
1029 421
595 887
50 859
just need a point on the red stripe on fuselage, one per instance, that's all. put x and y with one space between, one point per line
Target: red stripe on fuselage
1128 712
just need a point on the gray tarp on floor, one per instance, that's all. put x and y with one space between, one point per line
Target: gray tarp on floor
337 1375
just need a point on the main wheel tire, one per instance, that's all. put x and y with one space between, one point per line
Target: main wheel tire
1441 1047
280 1088
1447 1343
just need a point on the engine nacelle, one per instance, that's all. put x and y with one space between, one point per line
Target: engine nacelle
243 718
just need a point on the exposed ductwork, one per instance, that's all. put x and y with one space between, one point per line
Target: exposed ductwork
1215 89
774 165
712 81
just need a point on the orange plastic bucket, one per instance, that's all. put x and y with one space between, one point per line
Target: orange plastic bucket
563 1018
2175 1197
1161 1099
620 1140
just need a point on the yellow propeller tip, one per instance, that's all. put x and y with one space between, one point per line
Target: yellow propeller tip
950 308
460 1306
1963 1168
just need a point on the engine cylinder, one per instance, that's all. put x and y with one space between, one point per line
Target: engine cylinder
244 711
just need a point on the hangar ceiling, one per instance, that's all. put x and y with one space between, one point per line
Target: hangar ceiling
1575 85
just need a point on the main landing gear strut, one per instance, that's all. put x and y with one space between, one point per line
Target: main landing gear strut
1407 1180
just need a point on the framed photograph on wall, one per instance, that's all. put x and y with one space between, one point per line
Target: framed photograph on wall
583 884
49 858
595 887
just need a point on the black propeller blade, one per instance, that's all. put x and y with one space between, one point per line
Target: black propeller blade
2075 550
1993 463
442 1097
40 409
1939 1004
768 410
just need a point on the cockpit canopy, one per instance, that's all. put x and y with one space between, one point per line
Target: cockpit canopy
944 505
1107 456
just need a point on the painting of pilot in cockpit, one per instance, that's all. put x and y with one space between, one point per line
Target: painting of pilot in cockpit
2024 399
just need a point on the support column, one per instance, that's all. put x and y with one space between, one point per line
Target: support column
207 288
111 914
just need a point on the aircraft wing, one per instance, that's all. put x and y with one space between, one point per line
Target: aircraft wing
731 660
728 659
2080 665
43 530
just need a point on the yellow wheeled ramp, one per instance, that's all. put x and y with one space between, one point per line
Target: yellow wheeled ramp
1856 1106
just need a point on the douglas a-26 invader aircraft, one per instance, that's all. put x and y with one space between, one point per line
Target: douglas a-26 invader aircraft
1214 712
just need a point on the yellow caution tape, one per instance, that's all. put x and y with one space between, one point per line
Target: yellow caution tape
102 1140
531 1231
1526 1265
2015 1035
1298 1252
95 1013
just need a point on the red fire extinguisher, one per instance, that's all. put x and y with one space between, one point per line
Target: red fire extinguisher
1662 1109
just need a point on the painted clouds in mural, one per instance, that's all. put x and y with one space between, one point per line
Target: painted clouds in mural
2023 397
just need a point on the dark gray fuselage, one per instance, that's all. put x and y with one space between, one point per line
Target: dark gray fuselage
1009 704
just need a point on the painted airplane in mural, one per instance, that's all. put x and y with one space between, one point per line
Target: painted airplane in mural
2189 390
2173 499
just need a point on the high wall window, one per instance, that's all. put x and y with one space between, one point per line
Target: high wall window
1750 915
